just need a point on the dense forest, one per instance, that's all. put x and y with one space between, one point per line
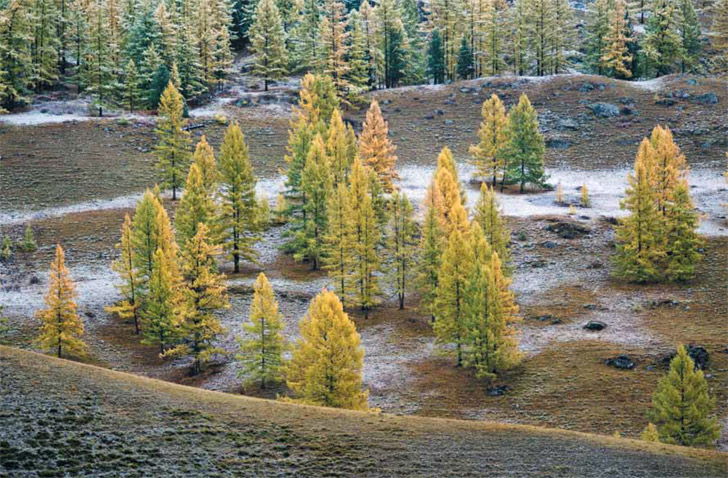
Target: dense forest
123 53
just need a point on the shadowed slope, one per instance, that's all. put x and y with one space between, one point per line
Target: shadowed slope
61 418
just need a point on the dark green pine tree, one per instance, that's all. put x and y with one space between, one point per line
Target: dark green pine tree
689 27
465 60
436 58
525 148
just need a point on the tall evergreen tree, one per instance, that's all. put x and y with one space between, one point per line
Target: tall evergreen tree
616 58
662 43
335 44
525 148
268 43
367 237
432 245
488 215
689 28
489 313
196 207
376 149
683 242
132 93
466 67
326 367
487 154
457 261
681 405
173 146
639 245
61 327
165 306
128 308
316 184
391 41
261 351
238 217
436 58
719 33
339 239
206 293
597 28
402 242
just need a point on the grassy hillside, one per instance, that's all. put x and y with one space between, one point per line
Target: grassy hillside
66 419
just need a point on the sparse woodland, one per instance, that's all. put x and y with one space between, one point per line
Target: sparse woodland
341 212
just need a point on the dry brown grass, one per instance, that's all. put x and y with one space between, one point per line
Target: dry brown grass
168 428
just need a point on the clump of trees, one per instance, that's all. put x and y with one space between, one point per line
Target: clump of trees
170 282
121 53
658 240
511 149
125 53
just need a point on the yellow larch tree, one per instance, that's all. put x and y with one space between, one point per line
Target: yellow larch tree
206 293
204 158
326 366
261 351
128 308
487 153
457 261
61 327
376 149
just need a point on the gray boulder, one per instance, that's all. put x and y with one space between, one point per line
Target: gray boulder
604 110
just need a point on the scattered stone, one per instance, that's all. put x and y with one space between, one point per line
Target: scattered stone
569 123
696 352
664 303
449 122
568 230
549 244
558 142
439 112
595 265
707 99
89 314
604 110
34 280
595 325
497 391
621 361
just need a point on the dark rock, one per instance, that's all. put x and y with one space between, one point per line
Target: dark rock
595 325
595 265
604 110
558 142
610 220
664 303
696 352
590 306
430 117
621 361
89 314
34 280
439 112
568 230
586 88
628 110
549 244
569 123
497 391
707 99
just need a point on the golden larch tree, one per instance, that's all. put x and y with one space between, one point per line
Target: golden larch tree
326 366
61 327
376 149
487 153
261 351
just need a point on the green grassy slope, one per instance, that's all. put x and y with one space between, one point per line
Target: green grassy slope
60 418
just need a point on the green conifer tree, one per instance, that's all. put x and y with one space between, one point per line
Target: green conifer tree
681 405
